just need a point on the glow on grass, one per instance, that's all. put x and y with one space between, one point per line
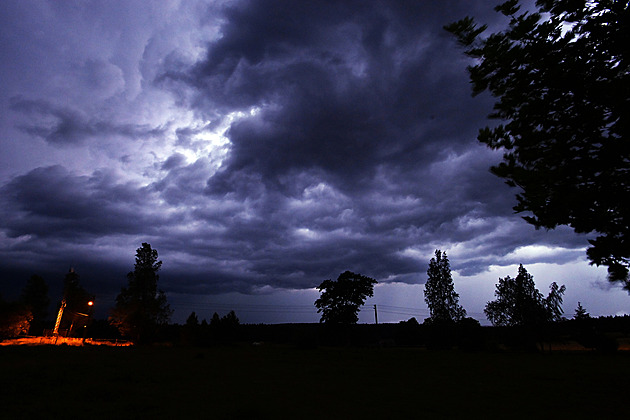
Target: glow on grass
69 341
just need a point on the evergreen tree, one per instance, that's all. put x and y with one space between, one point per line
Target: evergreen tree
192 320
439 291
140 307
580 313
230 320
35 297
77 309
215 321
74 294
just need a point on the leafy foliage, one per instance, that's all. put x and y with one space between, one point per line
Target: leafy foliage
439 291
562 80
340 301
15 319
141 307
520 303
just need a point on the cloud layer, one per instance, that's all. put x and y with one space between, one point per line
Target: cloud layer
254 144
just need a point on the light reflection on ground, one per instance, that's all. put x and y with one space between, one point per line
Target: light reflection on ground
70 341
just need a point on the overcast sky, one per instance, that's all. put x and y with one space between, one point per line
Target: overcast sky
261 147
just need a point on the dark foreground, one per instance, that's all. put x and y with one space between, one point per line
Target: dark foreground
258 382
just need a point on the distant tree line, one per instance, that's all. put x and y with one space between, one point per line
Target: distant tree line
218 330
518 303
142 312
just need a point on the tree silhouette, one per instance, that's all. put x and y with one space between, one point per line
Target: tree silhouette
562 79
580 313
340 301
76 308
215 321
15 319
35 297
141 307
75 295
520 303
192 320
553 302
439 291
230 320
191 331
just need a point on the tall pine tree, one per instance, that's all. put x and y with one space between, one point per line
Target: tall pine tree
439 291
141 307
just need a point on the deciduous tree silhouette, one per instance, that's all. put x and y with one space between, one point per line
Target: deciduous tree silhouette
520 303
439 291
141 307
562 80
340 300
15 319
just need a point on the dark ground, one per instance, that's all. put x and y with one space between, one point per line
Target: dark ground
273 381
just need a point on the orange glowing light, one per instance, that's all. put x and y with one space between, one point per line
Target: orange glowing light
90 303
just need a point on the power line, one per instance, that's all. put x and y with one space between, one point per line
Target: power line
243 307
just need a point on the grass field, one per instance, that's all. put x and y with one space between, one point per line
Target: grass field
256 382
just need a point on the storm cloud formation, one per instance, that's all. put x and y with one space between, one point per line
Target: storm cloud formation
254 144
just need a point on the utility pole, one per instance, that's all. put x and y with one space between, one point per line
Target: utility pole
375 315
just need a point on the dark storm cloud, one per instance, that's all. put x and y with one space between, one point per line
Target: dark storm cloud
66 126
367 103
341 87
352 146
52 202
370 102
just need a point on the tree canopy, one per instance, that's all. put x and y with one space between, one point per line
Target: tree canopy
141 307
15 319
74 294
35 297
562 79
519 303
340 300
76 312
439 291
